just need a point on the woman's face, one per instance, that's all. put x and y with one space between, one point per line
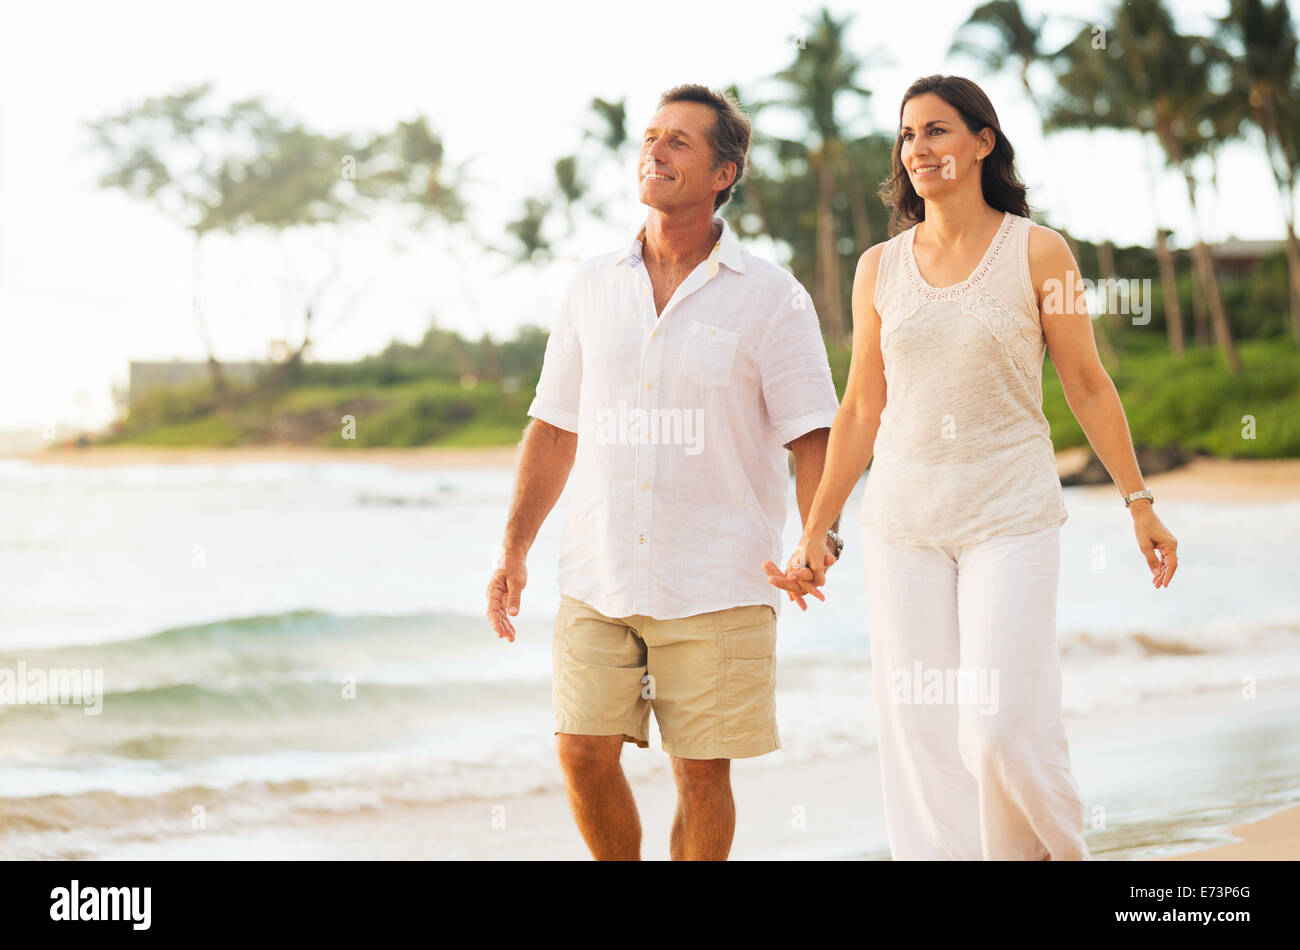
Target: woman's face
937 151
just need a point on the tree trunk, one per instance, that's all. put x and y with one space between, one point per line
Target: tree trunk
1284 176
492 371
1100 333
1106 259
1106 264
1201 254
1169 291
1200 316
1293 266
214 367
1218 318
828 256
857 203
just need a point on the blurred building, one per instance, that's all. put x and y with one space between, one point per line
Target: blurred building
149 376
1233 258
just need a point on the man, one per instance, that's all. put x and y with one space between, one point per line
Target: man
678 374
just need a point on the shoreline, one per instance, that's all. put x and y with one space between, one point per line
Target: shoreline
1275 837
819 808
423 457
1202 479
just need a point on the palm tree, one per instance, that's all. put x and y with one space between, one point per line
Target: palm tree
1091 96
612 116
1000 37
1262 39
1290 140
571 186
823 74
534 247
1009 40
1158 82
611 138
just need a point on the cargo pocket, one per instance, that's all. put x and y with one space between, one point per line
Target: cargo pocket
749 672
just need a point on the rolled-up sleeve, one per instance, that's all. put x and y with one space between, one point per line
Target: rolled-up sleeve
797 386
558 389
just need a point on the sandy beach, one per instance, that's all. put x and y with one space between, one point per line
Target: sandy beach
429 457
1205 479
790 809
1276 838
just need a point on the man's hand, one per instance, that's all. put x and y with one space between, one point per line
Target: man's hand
800 579
503 593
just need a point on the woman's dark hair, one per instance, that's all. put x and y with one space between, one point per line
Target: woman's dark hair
1002 186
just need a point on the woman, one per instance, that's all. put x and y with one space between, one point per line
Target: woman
962 509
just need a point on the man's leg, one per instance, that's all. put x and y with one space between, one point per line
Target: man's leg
713 688
706 813
600 796
598 663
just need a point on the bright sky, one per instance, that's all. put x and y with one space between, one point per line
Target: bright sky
90 279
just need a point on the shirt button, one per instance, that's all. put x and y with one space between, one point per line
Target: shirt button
641 539
649 385
644 487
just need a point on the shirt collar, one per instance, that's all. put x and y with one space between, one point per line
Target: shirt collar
726 251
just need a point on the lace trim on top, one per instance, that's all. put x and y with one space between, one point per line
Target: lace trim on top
976 300
992 311
924 288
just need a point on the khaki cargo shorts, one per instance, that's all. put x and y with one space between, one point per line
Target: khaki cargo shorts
710 679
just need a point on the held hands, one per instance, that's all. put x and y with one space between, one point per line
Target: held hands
1153 537
503 593
1158 545
800 578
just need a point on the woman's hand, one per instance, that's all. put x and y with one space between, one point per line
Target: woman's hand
1154 537
799 578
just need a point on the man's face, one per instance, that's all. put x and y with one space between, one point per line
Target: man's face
673 164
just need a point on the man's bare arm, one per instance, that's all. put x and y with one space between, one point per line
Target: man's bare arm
545 460
809 460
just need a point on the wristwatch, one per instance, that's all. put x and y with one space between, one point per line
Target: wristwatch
1134 496
836 544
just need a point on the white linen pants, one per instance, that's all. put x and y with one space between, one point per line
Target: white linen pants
966 672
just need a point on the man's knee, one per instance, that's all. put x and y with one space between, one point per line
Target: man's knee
588 756
702 776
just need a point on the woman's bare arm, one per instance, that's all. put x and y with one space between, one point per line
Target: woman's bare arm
853 434
1090 392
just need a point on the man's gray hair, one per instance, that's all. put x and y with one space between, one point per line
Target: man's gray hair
730 135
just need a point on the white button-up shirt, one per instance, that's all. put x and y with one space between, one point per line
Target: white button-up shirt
679 485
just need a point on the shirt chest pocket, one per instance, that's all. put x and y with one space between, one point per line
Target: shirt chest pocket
708 355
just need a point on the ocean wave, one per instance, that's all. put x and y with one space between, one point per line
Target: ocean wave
376 646
1224 636
85 823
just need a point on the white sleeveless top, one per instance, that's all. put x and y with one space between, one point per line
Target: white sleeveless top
964 452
